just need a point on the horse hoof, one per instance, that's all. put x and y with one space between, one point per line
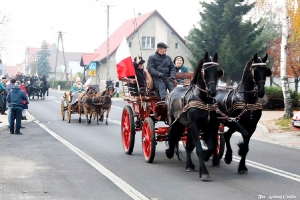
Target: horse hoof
243 172
228 159
190 169
217 165
204 177
169 153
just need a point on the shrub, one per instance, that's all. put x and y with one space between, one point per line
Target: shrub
276 93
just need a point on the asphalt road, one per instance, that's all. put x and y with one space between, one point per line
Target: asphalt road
88 162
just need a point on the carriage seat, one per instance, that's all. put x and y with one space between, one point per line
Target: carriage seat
187 76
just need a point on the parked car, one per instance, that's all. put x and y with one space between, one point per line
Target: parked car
296 120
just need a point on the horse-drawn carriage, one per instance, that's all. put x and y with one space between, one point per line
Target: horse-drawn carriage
90 103
147 108
69 104
37 88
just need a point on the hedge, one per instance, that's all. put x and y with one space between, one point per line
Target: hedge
64 85
276 93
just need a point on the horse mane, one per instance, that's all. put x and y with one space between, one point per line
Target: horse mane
247 69
197 71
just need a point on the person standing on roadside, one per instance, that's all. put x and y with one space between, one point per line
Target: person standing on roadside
25 106
3 95
15 97
8 88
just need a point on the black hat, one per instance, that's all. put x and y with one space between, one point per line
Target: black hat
162 45
141 61
178 57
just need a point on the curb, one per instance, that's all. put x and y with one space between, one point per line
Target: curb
5 126
264 128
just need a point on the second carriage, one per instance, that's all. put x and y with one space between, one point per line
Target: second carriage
69 105
149 109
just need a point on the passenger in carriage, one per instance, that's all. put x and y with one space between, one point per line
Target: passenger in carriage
77 86
140 75
162 70
178 62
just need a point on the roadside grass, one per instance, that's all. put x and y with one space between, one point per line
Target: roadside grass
284 123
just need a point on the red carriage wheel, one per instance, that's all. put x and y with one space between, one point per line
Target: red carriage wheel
128 129
62 109
148 140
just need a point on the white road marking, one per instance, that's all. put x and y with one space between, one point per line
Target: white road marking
266 168
128 189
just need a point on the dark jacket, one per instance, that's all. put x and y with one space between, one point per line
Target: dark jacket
16 96
182 69
161 64
8 88
140 75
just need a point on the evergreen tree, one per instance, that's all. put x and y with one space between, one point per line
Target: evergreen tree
43 65
224 30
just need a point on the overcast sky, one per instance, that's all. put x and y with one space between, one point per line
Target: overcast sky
84 22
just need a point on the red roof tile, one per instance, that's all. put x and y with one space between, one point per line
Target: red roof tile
125 30
87 58
116 38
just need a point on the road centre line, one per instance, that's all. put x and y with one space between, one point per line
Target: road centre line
125 187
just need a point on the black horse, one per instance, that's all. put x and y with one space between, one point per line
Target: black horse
44 85
242 107
33 89
195 108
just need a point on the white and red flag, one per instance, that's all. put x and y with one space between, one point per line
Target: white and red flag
124 61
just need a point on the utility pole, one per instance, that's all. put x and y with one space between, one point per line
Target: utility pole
107 46
66 67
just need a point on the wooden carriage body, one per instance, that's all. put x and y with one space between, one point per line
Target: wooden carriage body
69 104
146 106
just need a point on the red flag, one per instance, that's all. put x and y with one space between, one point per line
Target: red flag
124 61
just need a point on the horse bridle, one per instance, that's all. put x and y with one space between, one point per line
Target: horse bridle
253 66
212 64
107 90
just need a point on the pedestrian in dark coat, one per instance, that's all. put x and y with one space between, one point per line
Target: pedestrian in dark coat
15 97
3 96
11 85
162 70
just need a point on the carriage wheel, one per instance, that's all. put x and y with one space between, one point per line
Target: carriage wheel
148 140
62 109
220 146
128 130
69 112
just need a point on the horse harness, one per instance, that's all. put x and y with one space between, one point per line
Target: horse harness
198 103
242 105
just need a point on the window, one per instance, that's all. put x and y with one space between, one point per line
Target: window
129 44
176 46
148 42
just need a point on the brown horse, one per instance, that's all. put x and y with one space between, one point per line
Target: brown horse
86 103
105 102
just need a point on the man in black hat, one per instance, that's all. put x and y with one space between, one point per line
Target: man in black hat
162 70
